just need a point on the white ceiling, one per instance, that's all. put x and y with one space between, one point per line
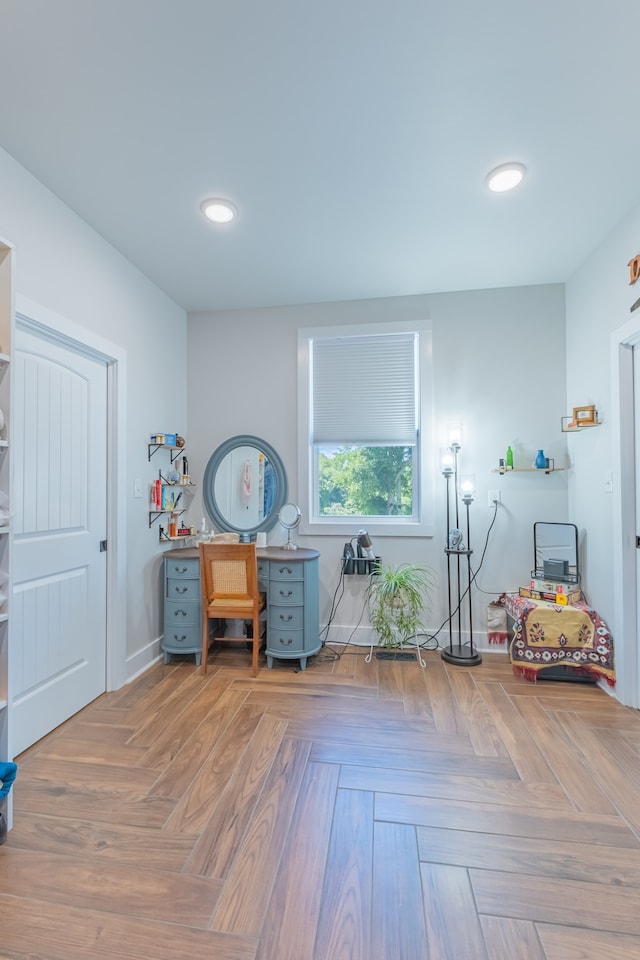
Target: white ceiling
353 136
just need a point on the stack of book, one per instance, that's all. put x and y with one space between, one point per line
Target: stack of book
557 592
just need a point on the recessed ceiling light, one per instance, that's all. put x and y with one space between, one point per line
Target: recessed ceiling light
506 177
219 211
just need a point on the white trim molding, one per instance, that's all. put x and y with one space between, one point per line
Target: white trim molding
625 554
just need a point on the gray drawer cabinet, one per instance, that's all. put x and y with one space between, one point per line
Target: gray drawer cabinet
182 624
290 578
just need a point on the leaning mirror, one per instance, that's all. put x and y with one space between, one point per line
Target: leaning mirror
555 550
244 485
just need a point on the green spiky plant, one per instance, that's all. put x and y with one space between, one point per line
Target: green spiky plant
398 596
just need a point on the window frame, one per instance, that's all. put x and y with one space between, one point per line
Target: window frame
421 525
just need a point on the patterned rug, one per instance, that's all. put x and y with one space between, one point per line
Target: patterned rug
546 634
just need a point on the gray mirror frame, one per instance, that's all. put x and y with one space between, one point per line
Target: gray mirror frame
209 480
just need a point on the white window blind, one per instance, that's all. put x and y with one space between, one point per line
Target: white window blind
364 390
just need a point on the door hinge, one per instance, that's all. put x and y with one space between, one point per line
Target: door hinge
103 546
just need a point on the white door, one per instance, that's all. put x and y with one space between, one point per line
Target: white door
58 608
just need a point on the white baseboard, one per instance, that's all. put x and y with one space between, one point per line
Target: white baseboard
362 636
141 660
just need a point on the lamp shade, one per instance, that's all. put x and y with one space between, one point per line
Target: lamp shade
454 435
447 462
467 488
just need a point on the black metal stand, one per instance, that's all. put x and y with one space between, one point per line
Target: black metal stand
463 654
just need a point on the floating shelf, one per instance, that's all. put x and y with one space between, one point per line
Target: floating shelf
549 469
156 514
565 428
174 452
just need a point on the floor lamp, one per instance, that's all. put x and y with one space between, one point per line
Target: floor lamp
458 556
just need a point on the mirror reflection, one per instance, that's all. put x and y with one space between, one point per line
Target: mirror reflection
244 485
556 542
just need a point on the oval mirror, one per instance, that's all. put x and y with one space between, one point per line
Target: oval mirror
244 485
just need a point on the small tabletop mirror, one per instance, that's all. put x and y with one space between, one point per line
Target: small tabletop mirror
289 518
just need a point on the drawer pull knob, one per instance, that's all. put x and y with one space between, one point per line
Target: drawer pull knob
179 639
286 619
286 643
178 613
288 593
286 570
181 589
180 569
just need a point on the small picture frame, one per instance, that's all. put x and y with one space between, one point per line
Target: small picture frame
582 415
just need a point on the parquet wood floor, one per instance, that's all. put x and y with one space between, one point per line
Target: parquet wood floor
352 811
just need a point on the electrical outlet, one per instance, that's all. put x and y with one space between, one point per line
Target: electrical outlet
494 497
137 488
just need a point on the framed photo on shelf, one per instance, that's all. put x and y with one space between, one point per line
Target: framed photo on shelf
583 415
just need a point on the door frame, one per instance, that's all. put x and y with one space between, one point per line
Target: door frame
54 327
625 553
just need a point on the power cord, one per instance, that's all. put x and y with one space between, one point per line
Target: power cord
335 603
430 637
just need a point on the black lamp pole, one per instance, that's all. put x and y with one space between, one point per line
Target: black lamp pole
459 653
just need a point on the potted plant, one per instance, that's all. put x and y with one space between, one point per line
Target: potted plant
398 596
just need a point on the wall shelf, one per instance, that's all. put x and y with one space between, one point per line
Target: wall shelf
152 448
156 514
565 428
550 469
172 491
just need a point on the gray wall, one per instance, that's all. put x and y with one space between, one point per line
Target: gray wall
598 301
66 267
499 367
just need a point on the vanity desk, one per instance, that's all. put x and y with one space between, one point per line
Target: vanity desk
289 578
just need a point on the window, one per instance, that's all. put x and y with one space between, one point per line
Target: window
364 429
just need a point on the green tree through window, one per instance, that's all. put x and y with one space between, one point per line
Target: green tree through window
366 481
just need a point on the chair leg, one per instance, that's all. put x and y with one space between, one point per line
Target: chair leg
256 645
205 641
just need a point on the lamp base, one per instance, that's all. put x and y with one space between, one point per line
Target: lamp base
453 655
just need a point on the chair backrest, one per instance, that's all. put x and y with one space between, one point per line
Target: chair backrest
229 571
